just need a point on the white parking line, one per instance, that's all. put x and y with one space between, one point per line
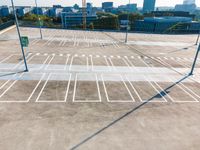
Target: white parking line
54 101
36 87
184 87
6 58
135 91
10 86
48 67
117 101
170 78
148 81
76 67
86 101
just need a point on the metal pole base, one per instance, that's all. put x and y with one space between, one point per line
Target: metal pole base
195 60
26 70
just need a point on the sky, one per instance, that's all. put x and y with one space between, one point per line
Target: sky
95 2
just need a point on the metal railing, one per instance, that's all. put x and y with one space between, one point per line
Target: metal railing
6 24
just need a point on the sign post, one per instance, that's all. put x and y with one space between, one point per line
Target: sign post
25 41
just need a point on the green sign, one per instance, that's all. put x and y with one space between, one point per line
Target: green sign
25 41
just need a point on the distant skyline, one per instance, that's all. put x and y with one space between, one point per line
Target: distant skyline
95 2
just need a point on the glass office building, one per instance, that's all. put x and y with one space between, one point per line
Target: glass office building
149 5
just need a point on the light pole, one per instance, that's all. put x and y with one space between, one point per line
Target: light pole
17 25
38 19
195 60
126 39
198 37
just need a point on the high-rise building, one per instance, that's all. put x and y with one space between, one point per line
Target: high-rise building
188 2
107 5
4 11
188 5
89 8
149 5
128 8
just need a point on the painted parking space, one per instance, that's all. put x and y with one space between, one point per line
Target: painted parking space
193 89
180 87
91 92
57 62
79 61
118 62
4 58
12 59
54 90
23 88
99 61
135 61
172 63
177 93
112 87
11 62
38 59
148 91
4 84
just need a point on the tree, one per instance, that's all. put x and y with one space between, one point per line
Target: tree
91 26
76 6
111 23
1 21
106 21
132 18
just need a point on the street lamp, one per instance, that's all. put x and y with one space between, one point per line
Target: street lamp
127 26
195 60
198 37
18 31
39 20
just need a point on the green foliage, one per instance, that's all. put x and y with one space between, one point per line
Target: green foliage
111 23
30 17
91 26
33 17
103 15
104 20
6 19
1 21
57 20
132 17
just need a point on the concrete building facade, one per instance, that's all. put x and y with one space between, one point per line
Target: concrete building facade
166 24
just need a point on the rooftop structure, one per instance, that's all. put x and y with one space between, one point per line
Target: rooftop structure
4 11
167 24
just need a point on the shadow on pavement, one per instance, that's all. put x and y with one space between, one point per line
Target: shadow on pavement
158 95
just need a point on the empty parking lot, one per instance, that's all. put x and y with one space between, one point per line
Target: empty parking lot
90 90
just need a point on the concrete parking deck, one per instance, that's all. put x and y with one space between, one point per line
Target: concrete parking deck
90 90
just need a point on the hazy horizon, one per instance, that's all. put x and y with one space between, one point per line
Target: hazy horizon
95 2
